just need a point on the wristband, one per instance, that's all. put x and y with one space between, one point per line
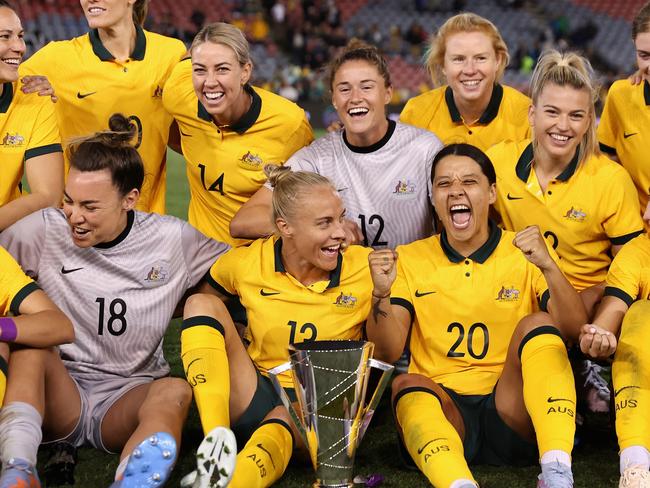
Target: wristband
8 332
381 297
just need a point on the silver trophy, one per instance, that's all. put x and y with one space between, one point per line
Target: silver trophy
330 379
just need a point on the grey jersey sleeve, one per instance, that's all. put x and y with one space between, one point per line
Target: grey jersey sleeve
200 252
304 159
25 241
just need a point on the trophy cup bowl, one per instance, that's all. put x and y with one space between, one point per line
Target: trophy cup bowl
331 380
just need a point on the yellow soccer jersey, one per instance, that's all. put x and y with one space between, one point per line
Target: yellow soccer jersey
505 118
282 311
15 286
583 212
464 310
624 130
629 275
28 129
92 86
225 166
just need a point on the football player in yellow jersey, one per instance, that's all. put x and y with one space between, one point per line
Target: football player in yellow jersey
29 137
624 126
116 67
229 129
621 326
489 372
28 318
297 286
469 54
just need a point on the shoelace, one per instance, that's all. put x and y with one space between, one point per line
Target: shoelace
593 378
638 476
558 475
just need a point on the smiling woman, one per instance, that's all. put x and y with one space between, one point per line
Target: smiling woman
31 144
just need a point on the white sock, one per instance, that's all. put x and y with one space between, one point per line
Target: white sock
460 483
635 456
20 432
556 455
121 467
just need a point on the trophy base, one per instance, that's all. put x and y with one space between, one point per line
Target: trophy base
318 484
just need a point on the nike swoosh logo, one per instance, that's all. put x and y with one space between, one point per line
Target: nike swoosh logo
432 440
625 135
66 271
186 135
419 294
510 197
81 96
342 189
190 365
553 400
268 293
624 388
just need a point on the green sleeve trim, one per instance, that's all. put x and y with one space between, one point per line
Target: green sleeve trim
543 301
21 295
213 283
42 150
612 291
619 241
607 149
406 304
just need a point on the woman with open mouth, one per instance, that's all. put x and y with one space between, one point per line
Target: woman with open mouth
296 286
466 61
380 167
117 67
489 380
30 143
118 274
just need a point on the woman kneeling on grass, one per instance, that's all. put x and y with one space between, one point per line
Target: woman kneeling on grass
118 274
297 286
489 372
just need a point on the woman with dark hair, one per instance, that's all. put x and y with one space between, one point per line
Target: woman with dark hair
31 145
118 274
486 311
117 67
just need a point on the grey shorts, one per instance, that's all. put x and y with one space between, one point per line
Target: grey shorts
97 397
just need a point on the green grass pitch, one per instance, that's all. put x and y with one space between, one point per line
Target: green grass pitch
595 457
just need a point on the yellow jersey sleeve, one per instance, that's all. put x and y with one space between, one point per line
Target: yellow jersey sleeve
45 138
223 273
623 216
15 286
629 274
608 124
400 294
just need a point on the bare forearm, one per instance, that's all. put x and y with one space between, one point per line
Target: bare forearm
26 204
566 308
43 329
385 330
252 223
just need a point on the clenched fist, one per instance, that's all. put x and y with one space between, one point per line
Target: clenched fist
533 245
597 342
383 269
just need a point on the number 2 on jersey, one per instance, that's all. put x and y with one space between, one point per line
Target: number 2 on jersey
377 240
116 324
453 350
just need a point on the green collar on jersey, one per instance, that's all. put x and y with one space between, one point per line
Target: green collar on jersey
246 121
646 92
491 110
335 274
130 217
525 163
481 254
6 97
102 53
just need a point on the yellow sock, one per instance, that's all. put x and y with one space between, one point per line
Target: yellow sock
265 456
630 375
549 390
205 362
429 437
3 378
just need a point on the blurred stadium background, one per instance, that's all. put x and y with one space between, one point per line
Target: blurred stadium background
292 39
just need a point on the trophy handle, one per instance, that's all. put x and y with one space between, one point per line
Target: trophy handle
368 412
273 374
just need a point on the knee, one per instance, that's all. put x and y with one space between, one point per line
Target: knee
204 304
32 359
533 326
170 391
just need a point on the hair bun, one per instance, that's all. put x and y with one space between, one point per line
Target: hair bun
276 173
122 130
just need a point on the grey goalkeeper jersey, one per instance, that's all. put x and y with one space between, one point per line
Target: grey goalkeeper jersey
385 188
121 295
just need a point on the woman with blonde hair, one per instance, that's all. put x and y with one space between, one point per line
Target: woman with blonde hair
296 286
466 61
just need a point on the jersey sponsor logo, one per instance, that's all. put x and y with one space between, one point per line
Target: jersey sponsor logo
156 274
15 140
158 92
251 160
419 293
81 96
626 135
268 293
70 270
345 301
510 294
575 214
512 197
404 189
